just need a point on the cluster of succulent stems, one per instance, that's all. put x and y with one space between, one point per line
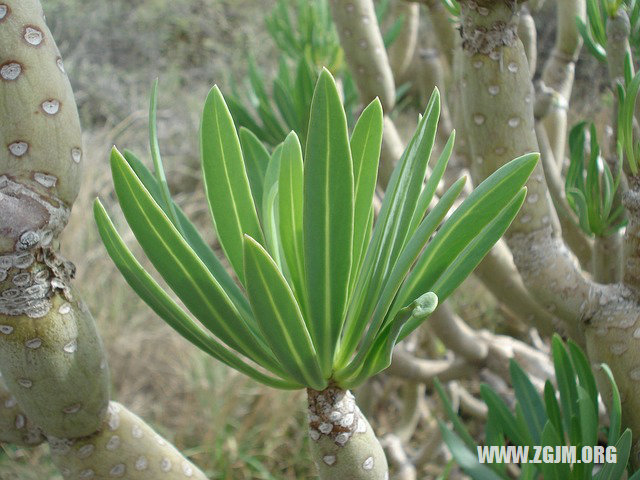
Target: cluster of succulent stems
547 273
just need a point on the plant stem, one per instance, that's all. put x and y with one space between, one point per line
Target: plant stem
343 444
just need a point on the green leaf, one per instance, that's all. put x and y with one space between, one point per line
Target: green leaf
378 357
594 48
286 107
552 408
290 202
588 417
452 6
161 303
393 31
583 371
381 312
596 22
327 217
366 141
615 471
303 93
167 203
615 412
279 316
243 118
565 377
581 208
193 238
256 159
527 396
467 460
226 182
478 210
476 250
181 268
575 174
391 229
428 191
504 418
552 471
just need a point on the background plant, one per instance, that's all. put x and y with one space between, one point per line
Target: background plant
456 355
540 419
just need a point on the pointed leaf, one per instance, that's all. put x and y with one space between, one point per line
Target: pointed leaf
366 142
161 303
225 180
195 241
527 396
256 158
327 217
280 317
478 210
181 268
290 201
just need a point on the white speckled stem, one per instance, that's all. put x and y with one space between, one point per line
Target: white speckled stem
51 356
364 50
558 72
498 113
604 317
402 51
125 447
343 444
56 369
15 426
41 147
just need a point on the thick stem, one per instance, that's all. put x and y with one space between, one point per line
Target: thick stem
15 426
501 277
402 51
607 259
51 356
631 200
604 317
499 118
528 35
343 444
364 50
558 73
444 27
124 447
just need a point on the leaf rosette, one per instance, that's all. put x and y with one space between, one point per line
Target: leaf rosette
320 290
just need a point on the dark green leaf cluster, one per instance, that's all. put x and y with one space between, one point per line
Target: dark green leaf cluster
306 37
594 30
566 416
591 190
627 96
323 292
310 34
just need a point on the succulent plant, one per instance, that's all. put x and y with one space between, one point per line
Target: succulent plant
323 294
